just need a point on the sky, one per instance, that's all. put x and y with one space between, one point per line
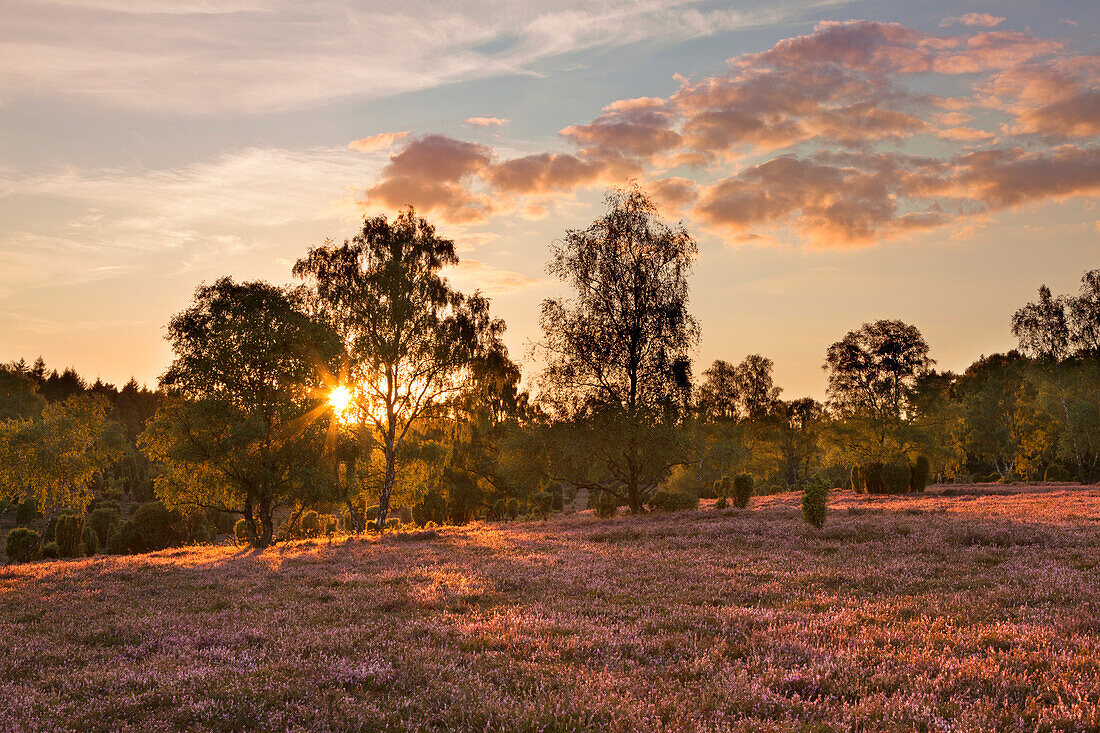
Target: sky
837 162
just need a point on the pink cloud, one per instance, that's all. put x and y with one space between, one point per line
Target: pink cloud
486 121
983 20
376 142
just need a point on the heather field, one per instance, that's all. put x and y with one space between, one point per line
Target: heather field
967 608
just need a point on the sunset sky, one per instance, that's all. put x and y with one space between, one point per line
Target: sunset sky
837 161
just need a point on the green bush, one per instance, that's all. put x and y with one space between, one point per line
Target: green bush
815 499
158 525
871 476
496 513
240 531
26 512
49 551
723 487
311 524
68 534
559 497
742 490
21 545
89 540
606 504
104 522
672 501
1056 473
104 503
722 503
511 508
224 522
126 540
542 504
921 472
432 508
895 478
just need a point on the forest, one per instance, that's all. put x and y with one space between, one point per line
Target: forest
372 396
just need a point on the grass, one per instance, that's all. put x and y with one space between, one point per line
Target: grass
968 612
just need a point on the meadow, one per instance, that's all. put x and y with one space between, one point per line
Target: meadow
965 608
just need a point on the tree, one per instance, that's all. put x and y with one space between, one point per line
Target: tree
755 387
1084 314
55 457
239 432
617 360
1042 327
410 337
19 394
719 396
872 372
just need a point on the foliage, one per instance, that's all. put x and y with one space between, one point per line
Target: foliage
617 354
815 498
432 508
664 500
89 541
240 532
606 504
49 551
896 478
511 508
104 521
126 540
870 475
742 490
26 512
1056 473
158 526
921 472
240 432
1042 327
68 534
542 504
21 545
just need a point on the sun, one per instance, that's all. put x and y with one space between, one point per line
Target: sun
340 399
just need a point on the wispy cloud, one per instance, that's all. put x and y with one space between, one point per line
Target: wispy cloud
261 55
981 20
486 121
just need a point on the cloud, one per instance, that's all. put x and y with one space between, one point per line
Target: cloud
249 56
486 121
431 173
806 136
476 275
983 20
377 142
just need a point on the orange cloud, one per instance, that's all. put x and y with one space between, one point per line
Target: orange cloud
984 20
376 142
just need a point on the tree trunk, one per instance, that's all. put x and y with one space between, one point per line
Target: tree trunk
387 484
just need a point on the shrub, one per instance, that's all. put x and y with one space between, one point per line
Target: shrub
125 540
1056 473
921 473
742 490
371 512
723 487
21 545
558 496
157 525
26 512
721 503
856 479
871 476
68 534
542 503
104 522
607 504
49 551
240 531
311 524
815 498
332 523
895 478
672 501
224 522
132 510
89 540
104 503
432 508
511 508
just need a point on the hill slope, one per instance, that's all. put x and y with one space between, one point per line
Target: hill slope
967 612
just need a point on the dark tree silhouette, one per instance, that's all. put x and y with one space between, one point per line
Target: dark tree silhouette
1042 327
755 386
719 394
617 353
1084 314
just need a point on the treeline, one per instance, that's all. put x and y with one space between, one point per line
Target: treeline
372 394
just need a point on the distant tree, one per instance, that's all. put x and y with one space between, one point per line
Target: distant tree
240 432
410 336
54 458
19 395
1084 314
617 354
872 372
756 389
718 396
1042 327
799 423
